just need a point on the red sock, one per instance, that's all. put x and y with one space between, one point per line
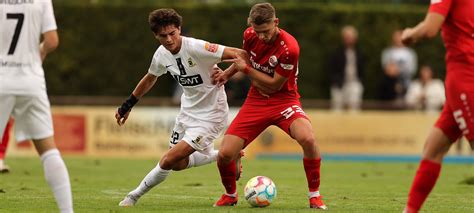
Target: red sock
312 168
228 173
5 138
425 179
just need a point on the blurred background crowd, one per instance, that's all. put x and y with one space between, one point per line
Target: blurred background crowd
351 57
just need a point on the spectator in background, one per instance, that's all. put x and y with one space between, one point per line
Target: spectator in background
426 93
347 69
390 88
404 57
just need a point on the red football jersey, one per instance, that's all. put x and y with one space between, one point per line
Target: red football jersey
281 56
458 29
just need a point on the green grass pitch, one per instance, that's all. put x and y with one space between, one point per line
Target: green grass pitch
99 184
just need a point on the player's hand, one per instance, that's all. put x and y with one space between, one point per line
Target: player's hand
121 119
240 61
407 36
218 76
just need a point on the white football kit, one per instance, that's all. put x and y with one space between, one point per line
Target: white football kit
204 108
22 83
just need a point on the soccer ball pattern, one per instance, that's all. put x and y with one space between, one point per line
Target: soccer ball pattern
260 191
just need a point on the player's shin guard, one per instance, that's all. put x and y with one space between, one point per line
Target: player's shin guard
228 173
312 170
424 181
153 178
55 173
198 159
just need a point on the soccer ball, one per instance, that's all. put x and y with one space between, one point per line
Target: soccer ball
260 191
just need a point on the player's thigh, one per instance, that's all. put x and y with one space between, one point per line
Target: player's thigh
196 133
286 117
460 102
250 122
33 118
301 130
6 107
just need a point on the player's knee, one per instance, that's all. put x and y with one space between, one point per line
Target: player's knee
307 141
225 157
167 162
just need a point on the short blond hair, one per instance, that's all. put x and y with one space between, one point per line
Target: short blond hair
261 13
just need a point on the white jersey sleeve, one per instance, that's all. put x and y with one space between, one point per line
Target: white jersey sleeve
207 51
49 22
156 67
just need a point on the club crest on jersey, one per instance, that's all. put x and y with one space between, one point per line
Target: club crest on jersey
191 62
211 47
197 140
273 61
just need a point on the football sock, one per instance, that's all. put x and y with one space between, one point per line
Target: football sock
198 159
153 178
313 194
312 170
228 173
424 181
4 143
56 174
231 195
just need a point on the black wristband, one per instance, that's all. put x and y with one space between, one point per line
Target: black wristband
127 105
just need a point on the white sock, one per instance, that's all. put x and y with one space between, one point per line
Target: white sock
313 194
198 159
153 178
231 195
55 173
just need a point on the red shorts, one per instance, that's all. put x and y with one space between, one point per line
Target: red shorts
254 117
457 117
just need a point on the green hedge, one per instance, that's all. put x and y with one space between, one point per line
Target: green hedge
105 50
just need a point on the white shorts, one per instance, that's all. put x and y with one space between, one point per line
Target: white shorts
32 115
200 135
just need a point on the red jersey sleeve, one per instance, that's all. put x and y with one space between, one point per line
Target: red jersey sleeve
288 63
440 6
247 34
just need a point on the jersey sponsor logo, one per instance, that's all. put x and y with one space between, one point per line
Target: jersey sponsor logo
192 80
273 61
252 53
436 1
211 47
191 63
287 66
264 69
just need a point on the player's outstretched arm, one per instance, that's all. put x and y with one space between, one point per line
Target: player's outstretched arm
140 90
49 44
428 28
220 77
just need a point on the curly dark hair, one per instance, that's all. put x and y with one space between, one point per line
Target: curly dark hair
163 17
